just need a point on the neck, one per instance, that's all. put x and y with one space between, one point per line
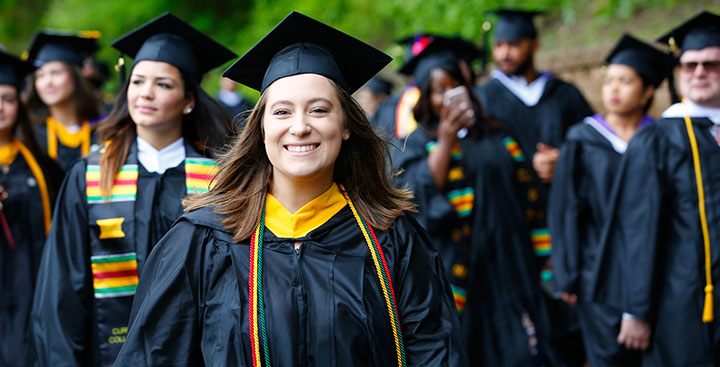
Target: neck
65 113
159 139
5 136
530 74
625 125
293 194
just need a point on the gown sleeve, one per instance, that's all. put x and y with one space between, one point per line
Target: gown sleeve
61 311
428 318
563 214
635 221
434 210
165 322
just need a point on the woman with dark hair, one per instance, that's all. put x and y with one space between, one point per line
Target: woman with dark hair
116 203
482 208
61 101
29 181
582 190
302 253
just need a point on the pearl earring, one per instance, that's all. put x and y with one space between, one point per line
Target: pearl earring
188 110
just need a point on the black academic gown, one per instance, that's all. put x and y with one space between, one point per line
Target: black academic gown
323 303
655 227
384 118
560 106
66 155
502 281
505 287
63 320
18 267
579 200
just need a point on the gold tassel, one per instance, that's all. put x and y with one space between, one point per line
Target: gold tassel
708 309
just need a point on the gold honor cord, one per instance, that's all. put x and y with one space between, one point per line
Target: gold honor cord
708 309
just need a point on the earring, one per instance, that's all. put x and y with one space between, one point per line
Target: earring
188 110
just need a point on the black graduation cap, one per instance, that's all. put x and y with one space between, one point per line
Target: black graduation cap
702 31
379 85
650 63
442 51
66 47
513 24
169 39
300 45
13 70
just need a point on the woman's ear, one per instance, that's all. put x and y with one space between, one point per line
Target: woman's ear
189 105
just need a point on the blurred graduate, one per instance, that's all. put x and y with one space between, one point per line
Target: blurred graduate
29 181
467 174
394 118
664 219
582 189
115 204
62 102
302 254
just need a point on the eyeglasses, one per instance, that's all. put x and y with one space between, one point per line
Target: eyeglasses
709 66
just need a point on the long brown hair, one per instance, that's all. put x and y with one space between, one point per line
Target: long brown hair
87 106
246 172
208 124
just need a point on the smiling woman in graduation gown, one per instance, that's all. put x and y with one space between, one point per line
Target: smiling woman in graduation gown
118 202
28 185
583 186
61 100
302 253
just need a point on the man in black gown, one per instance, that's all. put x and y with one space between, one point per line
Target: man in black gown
537 108
667 291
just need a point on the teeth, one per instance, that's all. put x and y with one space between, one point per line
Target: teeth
301 148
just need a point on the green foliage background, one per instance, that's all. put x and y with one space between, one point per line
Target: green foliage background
240 23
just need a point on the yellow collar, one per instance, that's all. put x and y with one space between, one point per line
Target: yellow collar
68 139
311 216
8 152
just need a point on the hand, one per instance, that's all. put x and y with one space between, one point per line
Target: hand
634 334
544 161
452 120
569 298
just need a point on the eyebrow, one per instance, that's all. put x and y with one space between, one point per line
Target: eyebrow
317 99
158 78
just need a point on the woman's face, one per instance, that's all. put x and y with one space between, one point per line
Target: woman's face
303 125
623 91
54 83
156 96
440 82
9 105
